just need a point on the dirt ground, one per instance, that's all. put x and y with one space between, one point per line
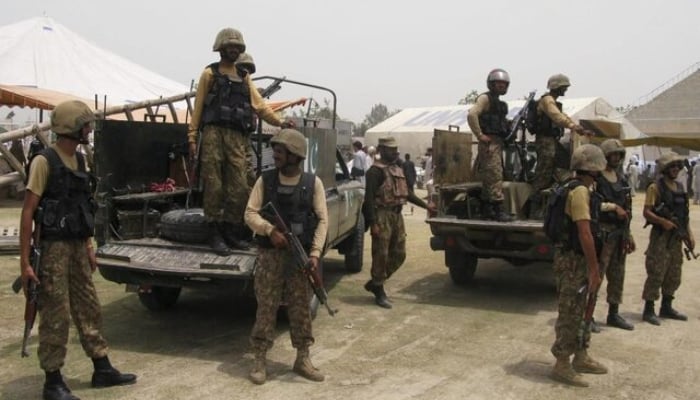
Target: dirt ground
488 340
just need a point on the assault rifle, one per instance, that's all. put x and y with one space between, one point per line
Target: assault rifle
32 295
591 299
299 255
681 232
518 123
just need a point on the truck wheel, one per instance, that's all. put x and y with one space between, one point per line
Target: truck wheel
187 226
355 252
462 266
159 298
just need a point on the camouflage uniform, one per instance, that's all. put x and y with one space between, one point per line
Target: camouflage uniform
489 169
571 273
612 266
664 259
546 151
67 291
225 173
389 247
277 279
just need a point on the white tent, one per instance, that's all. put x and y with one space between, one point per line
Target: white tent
42 53
413 127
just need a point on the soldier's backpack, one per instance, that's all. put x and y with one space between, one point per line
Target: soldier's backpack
556 224
532 121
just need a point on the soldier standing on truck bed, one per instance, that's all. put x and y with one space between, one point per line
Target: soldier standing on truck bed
552 165
666 208
616 212
576 270
59 184
301 201
386 192
487 121
223 115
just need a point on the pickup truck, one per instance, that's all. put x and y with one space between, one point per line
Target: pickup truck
150 229
458 228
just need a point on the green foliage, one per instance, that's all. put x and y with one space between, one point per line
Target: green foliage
469 98
379 113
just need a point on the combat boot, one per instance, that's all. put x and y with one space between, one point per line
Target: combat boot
583 363
55 388
303 366
667 311
595 328
649 315
486 210
379 295
216 241
500 215
258 374
231 234
563 372
106 375
616 320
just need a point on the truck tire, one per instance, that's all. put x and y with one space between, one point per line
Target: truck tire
160 298
355 252
187 226
462 266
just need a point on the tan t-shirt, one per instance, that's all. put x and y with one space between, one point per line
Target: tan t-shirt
653 192
481 105
578 204
39 170
548 106
262 227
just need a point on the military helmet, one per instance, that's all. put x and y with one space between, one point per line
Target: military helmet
557 81
245 61
668 159
497 74
610 146
588 157
291 139
69 117
228 36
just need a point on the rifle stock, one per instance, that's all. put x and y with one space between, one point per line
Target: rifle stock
681 231
591 299
32 294
299 255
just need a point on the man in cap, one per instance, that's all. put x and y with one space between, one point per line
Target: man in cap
552 164
301 201
666 209
487 121
576 268
616 212
223 112
386 191
60 187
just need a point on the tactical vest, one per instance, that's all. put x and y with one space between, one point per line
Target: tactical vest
228 103
394 189
675 201
295 205
67 203
574 242
547 127
493 121
613 193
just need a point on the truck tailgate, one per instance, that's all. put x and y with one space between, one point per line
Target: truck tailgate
158 256
481 224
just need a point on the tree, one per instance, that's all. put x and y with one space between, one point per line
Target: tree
469 98
625 109
379 113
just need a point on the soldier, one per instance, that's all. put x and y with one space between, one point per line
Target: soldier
223 114
666 208
301 200
487 121
551 121
59 184
615 227
576 267
386 192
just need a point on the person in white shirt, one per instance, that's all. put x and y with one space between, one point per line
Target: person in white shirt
359 163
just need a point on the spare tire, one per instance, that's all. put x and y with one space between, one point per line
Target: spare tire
188 226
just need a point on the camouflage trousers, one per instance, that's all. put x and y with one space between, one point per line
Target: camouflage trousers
571 272
489 169
66 292
277 279
664 258
546 172
389 247
612 266
225 174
